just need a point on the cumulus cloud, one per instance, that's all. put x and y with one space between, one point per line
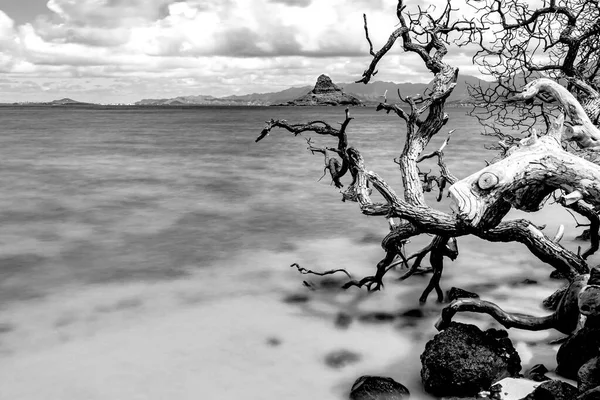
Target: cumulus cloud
214 47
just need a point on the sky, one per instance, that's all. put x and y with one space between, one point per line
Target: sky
120 51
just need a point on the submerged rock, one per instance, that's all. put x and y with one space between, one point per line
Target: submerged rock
377 317
340 358
588 376
325 93
378 388
553 390
578 350
457 293
537 373
296 298
462 360
342 320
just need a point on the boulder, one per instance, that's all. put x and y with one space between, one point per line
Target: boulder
378 388
588 376
462 360
553 390
578 350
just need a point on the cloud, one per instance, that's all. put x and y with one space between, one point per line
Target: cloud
156 48
296 3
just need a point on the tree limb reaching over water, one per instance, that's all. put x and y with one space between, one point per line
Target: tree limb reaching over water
532 170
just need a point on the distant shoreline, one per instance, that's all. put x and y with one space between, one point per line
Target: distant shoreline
186 106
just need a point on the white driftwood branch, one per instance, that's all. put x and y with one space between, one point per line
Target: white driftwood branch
582 131
524 179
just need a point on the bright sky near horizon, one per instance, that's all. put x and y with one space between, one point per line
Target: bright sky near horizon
120 51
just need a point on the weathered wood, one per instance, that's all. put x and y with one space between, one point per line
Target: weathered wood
524 180
582 131
531 172
565 319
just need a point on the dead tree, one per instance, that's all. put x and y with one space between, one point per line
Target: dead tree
559 40
533 169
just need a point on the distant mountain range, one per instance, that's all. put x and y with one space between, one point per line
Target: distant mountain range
370 93
61 102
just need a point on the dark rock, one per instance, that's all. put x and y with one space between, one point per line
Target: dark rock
592 394
588 376
341 358
537 373
378 388
577 350
377 317
325 93
296 298
273 341
585 235
524 282
370 238
464 398
462 360
528 281
495 392
553 390
551 302
556 274
343 320
330 283
457 293
413 313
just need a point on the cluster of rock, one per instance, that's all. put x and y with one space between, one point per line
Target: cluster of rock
463 362
325 93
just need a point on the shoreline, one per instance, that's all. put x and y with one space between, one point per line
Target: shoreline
226 332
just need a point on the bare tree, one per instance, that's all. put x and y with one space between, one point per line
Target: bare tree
532 170
559 39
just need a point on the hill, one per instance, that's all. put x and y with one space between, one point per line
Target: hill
370 93
325 93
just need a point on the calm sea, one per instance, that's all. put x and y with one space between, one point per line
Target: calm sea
95 199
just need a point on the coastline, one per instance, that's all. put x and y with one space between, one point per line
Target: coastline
209 333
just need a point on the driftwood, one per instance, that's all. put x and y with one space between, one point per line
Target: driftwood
582 131
532 170
524 179
580 301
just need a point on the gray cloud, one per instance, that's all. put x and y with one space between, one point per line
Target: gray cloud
294 3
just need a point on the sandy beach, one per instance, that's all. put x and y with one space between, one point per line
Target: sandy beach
221 335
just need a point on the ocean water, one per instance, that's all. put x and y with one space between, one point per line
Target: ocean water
144 253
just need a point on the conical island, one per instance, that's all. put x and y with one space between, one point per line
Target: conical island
325 93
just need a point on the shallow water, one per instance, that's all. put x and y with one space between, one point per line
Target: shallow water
144 254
